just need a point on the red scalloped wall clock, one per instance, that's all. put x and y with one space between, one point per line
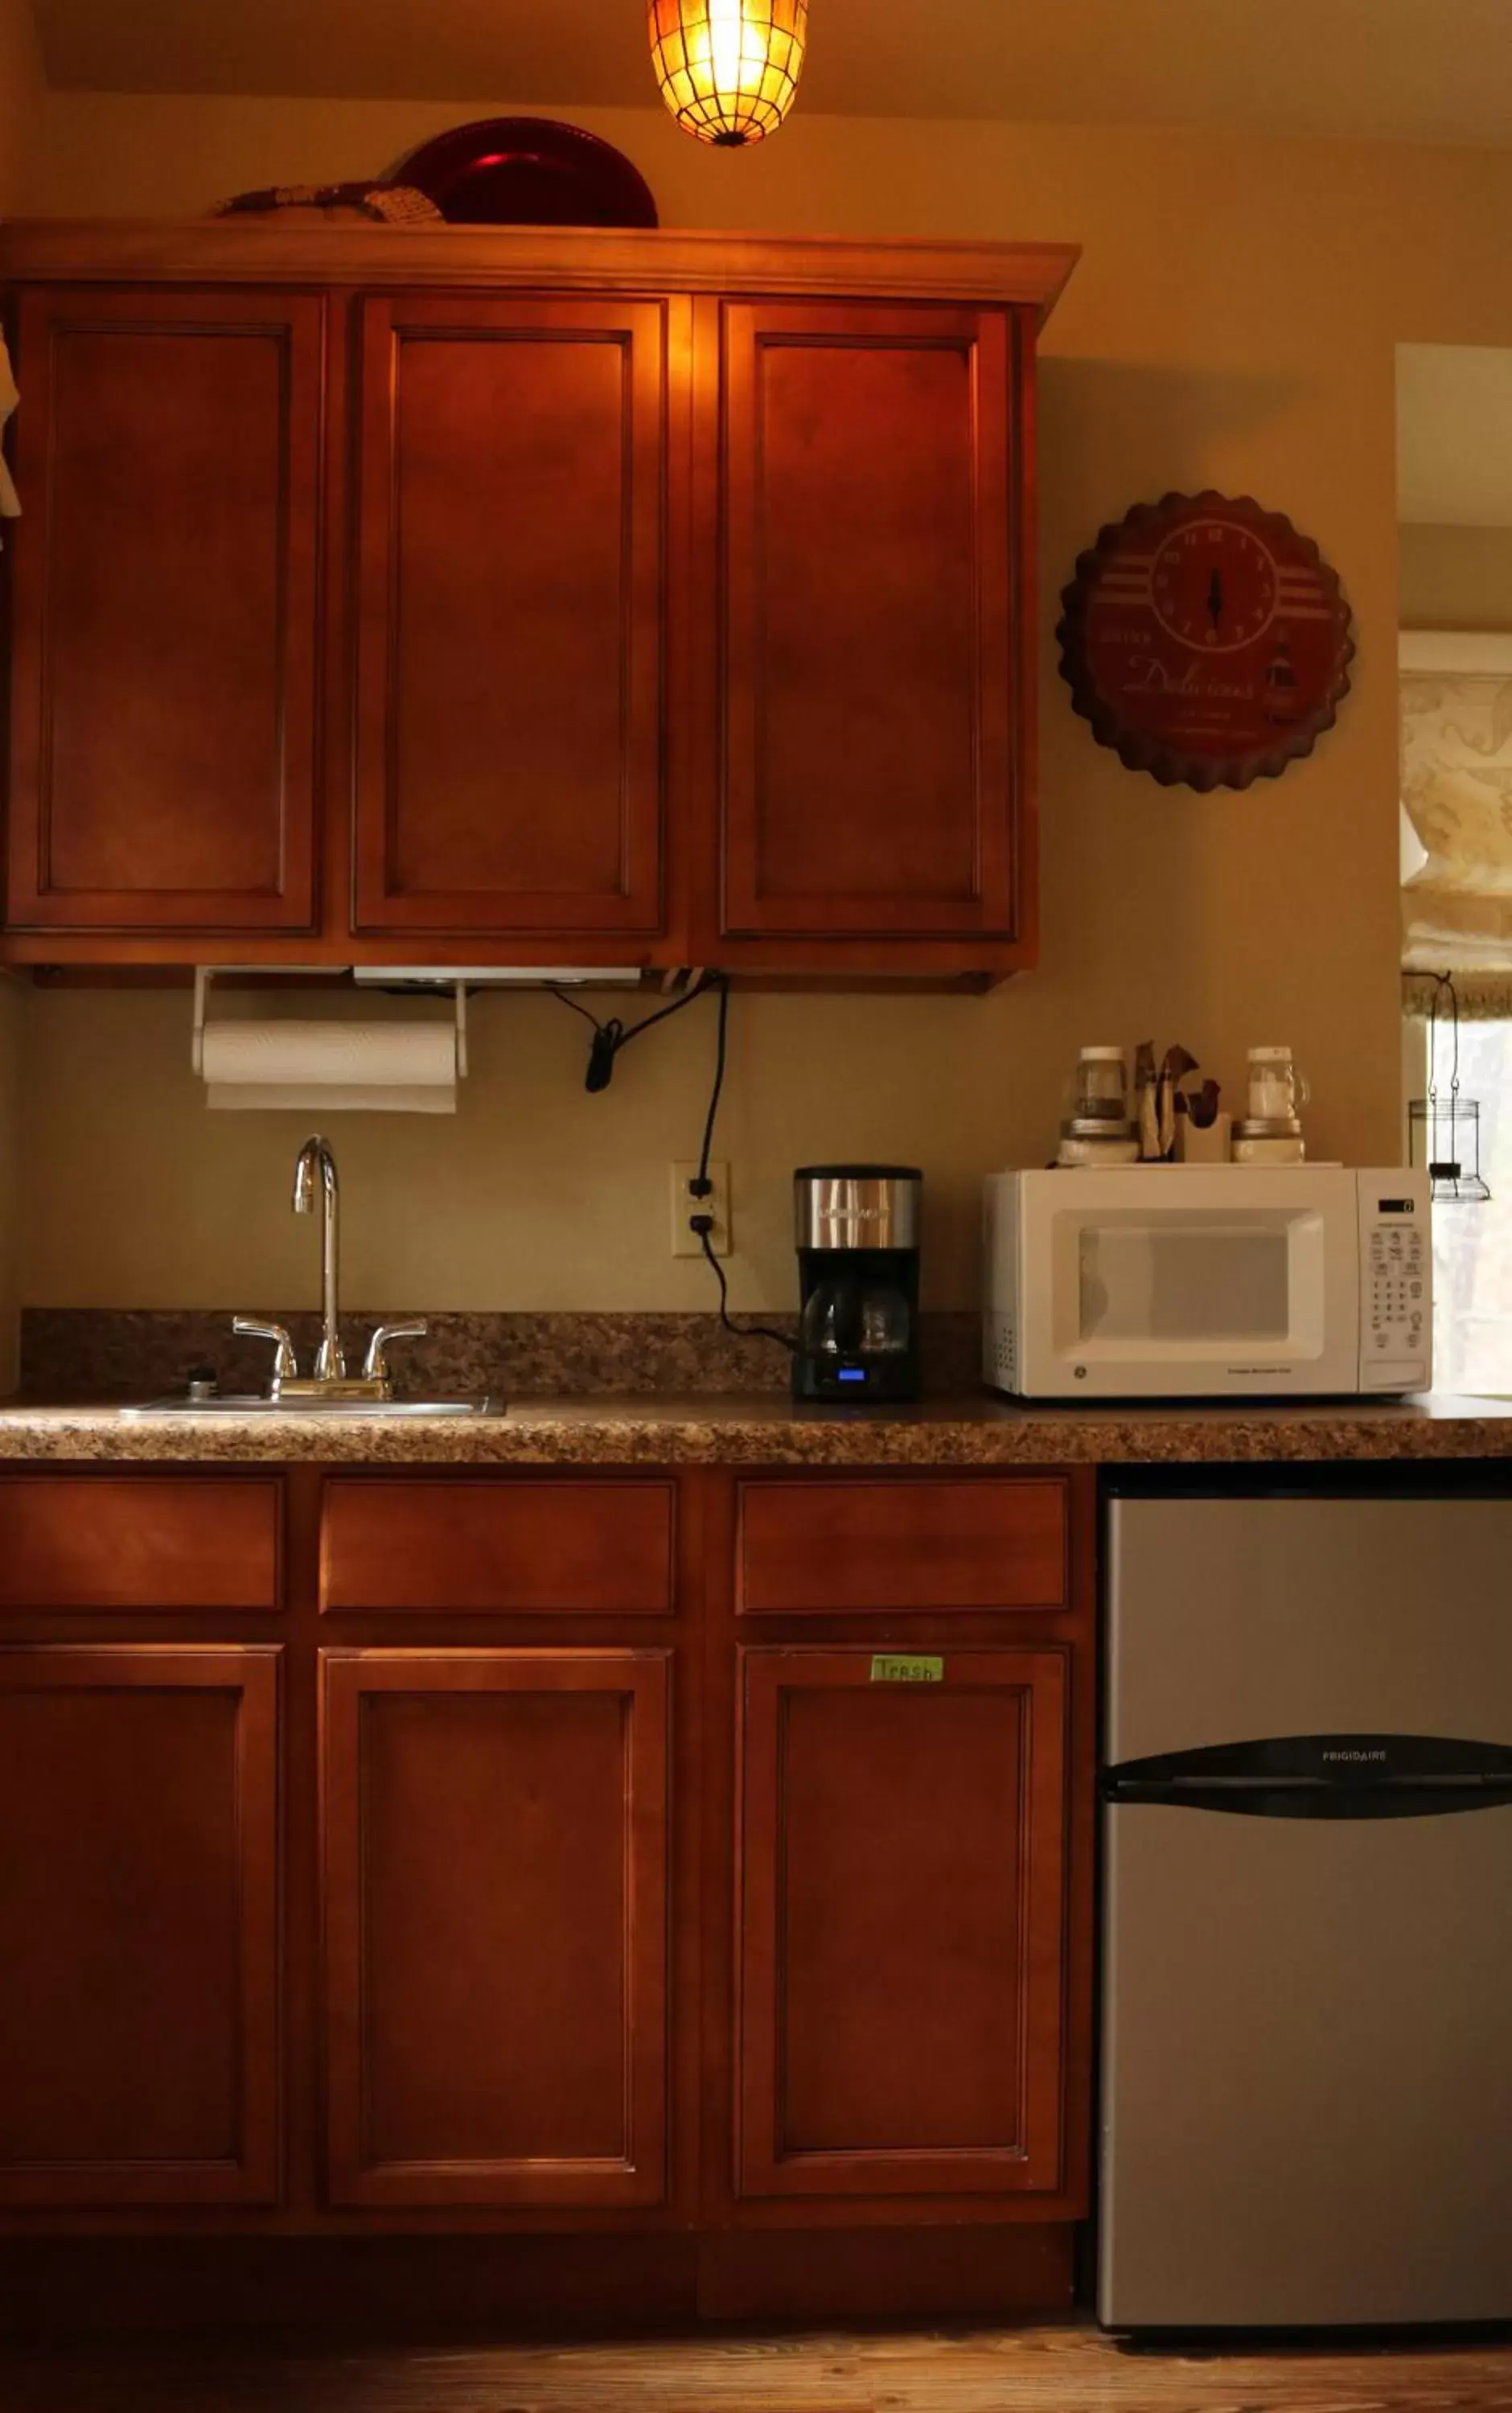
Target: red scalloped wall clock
1207 640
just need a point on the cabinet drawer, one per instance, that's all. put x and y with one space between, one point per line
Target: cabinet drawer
593 1547
823 1550
140 1541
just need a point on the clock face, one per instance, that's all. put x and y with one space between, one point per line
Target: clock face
1214 586
1206 641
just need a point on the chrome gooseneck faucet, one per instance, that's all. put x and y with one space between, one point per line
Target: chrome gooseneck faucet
315 1171
316 1163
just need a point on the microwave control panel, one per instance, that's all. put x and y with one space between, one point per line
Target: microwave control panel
1395 1294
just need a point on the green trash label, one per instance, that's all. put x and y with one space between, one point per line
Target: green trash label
892 1668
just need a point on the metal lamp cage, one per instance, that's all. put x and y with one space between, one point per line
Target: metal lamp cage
1443 1129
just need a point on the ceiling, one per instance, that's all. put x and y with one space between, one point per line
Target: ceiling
1454 436
1435 70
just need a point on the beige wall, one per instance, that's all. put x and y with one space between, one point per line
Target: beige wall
1233 323
1456 577
20 114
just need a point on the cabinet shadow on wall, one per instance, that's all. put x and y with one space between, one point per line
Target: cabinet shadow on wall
1114 432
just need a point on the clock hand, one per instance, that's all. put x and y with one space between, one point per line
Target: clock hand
1215 598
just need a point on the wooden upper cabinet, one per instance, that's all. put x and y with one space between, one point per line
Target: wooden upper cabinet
874 627
163 723
902 1926
496 1924
139 1885
512 579
537 595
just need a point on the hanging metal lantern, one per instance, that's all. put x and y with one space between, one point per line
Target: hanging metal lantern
727 68
1444 1127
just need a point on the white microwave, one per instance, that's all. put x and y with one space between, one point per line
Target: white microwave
1195 1282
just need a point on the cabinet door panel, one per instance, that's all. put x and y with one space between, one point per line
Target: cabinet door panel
496 1870
901 1924
510 676
869 552
163 722
138 1925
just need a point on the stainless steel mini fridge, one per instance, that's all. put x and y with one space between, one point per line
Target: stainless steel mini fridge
1306 2085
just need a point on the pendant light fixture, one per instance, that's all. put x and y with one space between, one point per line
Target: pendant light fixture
727 68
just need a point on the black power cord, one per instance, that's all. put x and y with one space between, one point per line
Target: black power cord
611 1036
701 1185
608 1039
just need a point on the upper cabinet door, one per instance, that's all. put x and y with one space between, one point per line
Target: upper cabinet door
872 639
511 562
165 633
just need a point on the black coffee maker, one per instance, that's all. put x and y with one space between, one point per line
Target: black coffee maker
858 1273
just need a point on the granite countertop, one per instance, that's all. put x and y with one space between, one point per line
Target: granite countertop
758 1429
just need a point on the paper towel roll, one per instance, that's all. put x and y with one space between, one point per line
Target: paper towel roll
386 1067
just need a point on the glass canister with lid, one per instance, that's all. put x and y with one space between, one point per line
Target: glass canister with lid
1271 1131
1099 1128
1275 1087
1101 1093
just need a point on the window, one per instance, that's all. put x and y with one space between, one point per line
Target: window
1473 1245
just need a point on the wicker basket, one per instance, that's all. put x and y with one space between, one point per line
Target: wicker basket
389 204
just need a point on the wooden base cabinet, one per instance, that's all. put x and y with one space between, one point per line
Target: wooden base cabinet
139 2001
495 1925
901 1921
607 1871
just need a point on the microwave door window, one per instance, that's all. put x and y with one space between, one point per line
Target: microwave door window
1195 1285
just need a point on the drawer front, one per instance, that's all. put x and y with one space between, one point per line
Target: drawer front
139 1541
833 1549
596 1548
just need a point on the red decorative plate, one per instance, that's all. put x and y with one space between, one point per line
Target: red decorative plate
527 171
1207 640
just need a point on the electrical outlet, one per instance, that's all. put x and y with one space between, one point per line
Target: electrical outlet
684 1241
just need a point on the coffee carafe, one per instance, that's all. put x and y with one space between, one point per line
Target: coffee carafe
858 1275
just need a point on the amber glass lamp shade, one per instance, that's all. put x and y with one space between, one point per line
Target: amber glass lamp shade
727 68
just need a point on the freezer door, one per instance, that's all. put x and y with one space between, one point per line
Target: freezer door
1306 2070
1234 1619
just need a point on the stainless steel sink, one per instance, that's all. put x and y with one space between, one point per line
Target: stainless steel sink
229 1403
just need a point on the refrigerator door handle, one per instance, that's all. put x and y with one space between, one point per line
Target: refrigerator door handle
1330 1759
1322 1776
1413 1796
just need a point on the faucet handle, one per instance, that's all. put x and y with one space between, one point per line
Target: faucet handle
375 1364
284 1364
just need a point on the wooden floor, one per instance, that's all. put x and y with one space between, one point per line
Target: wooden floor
1040 2371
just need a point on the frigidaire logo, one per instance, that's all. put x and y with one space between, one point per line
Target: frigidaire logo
1354 1755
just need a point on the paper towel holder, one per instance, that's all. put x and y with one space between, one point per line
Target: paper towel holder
205 974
